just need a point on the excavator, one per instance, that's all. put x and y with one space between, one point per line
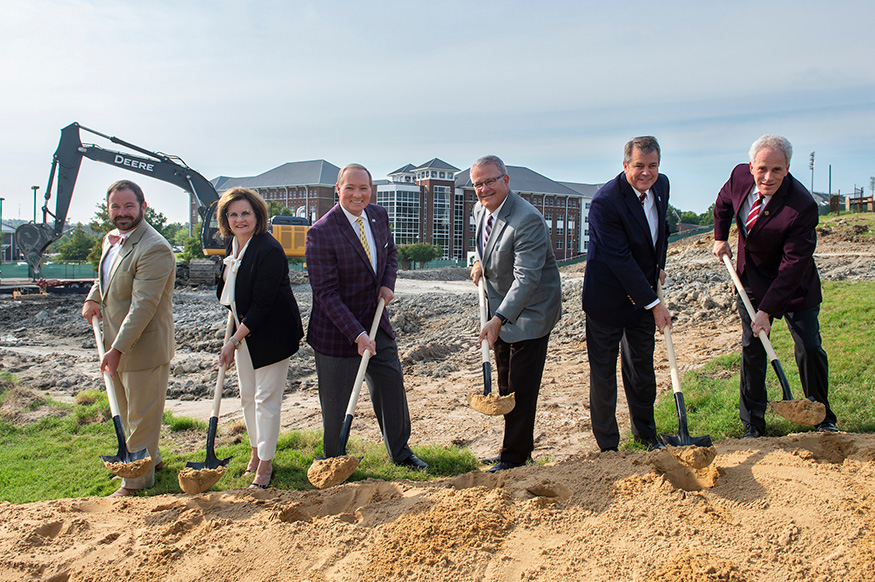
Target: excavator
33 239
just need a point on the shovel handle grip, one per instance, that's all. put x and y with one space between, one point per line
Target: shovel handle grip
363 366
220 380
107 379
748 306
669 348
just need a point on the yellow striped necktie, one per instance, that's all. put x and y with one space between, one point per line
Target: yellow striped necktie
364 238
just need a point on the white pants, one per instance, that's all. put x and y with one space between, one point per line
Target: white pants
261 394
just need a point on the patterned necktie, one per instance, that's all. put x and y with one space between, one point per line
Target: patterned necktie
754 212
363 238
116 238
642 198
488 230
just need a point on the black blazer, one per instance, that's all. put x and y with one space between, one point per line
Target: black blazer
622 264
265 303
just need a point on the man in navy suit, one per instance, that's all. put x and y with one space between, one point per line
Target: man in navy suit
776 218
352 262
628 236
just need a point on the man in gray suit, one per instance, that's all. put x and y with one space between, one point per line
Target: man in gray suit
516 259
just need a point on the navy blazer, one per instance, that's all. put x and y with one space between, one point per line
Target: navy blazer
777 255
622 263
345 287
265 302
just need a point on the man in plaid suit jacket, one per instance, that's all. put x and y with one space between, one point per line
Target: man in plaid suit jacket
352 262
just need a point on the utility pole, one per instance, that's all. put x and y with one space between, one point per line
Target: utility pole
811 167
34 188
872 186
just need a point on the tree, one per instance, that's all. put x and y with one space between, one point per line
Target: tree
275 208
78 246
689 217
192 249
707 217
417 253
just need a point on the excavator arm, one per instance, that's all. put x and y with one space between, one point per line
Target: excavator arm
33 239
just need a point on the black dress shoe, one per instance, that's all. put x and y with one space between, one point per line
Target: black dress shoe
651 443
827 426
751 432
490 460
503 466
413 462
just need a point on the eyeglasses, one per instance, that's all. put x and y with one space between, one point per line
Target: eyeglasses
487 183
245 215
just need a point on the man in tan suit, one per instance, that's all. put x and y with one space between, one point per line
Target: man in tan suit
132 296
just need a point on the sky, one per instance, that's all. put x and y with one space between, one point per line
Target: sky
236 88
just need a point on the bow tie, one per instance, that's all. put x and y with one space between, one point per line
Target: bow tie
117 238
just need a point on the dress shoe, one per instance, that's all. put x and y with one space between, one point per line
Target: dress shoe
827 426
609 450
159 466
751 432
650 443
490 460
123 492
502 466
413 462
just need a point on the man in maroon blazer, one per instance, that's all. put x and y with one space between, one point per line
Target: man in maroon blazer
776 218
352 262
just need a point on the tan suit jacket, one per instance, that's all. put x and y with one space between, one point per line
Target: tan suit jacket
136 304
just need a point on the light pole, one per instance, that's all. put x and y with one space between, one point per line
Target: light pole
34 188
811 167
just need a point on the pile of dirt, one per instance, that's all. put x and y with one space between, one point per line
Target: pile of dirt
608 517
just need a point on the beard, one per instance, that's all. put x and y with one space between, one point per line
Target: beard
128 222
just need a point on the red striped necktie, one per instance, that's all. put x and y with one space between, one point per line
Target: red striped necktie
754 212
642 198
488 230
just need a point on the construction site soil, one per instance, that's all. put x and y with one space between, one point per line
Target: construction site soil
798 507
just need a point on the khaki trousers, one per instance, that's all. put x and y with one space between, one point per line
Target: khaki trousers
141 395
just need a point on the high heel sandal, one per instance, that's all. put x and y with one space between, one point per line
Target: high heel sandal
266 485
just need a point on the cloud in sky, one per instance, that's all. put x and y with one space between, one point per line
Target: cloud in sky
237 88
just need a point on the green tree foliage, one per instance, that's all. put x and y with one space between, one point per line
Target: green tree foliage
275 208
417 253
707 217
191 249
78 246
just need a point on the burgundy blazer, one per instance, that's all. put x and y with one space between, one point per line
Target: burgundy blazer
777 255
345 287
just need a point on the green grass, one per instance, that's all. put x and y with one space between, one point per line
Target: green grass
847 325
58 456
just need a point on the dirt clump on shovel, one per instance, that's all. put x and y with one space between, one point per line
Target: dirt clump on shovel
801 411
325 473
491 404
693 457
194 481
130 470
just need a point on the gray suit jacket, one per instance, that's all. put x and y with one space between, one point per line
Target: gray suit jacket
522 278
136 303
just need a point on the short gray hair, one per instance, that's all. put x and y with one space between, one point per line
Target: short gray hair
772 142
491 160
645 143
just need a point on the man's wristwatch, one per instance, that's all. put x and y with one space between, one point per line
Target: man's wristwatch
501 318
235 341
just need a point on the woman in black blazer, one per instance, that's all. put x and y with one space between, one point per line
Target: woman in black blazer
255 285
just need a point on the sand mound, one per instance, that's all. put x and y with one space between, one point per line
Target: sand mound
491 404
792 508
131 469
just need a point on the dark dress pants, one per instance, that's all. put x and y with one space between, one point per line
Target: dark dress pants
520 367
811 360
386 387
635 345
